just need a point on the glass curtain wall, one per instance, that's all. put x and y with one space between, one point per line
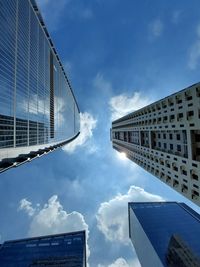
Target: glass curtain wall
37 105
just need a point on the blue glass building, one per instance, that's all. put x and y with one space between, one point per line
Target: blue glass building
63 250
38 110
165 234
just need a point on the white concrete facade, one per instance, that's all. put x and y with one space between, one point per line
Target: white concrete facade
164 139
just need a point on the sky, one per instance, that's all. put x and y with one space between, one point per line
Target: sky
120 56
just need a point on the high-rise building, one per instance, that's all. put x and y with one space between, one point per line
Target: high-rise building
165 234
38 110
164 139
62 250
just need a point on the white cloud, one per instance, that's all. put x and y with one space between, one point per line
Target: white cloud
194 54
87 125
101 84
43 3
53 219
52 12
121 262
27 207
112 216
121 105
41 106
68 67
156 28
176 16
80 11
55 9
86 13
198 30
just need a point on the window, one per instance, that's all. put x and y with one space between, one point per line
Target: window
175 183
188 97
190 113
184 172
164 136
180 115
184 188
165 118
175 168
179 148
195 193
197 137
170 136
165 145
198 91
51 96
178 99
178 137
197 151
171 146
172 117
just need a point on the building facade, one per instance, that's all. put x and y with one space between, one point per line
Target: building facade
165 234
63 250
38 110
164 139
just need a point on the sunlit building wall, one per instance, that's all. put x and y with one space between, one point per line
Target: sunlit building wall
38 110
164 139
165 234
62 250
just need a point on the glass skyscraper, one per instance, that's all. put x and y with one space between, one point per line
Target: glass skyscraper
62 250
38 110
165 234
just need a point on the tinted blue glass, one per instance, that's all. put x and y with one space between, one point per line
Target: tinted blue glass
161 220
68 248
7 71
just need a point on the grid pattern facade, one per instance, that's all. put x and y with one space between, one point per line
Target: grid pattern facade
37 107
160 229
164 139
63 250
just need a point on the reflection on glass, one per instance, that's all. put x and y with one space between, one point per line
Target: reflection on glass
63 250
37 106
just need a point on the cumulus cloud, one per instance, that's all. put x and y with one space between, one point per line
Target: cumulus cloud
86 13
112 216
176 15
52 11
123 104
68 67
194 53
121 262
53 219
156 28
101 83
26 206
87 125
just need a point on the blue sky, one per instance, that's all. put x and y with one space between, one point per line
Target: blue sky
120 56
